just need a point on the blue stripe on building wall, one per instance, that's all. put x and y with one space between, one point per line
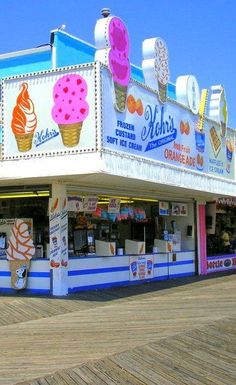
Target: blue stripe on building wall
5 273
123 268
26 291
98 271
32 275
39 274
177 263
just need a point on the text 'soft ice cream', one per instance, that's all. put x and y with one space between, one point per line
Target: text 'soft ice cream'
70 108
24 120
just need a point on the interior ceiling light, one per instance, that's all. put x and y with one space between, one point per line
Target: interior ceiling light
27 194
145 199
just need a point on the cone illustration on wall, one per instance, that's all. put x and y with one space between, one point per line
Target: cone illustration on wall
24 120
70 107
19 253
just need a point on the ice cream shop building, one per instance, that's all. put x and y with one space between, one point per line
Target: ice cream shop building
110 174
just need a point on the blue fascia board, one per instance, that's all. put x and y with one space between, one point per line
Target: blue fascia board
69 51
21 64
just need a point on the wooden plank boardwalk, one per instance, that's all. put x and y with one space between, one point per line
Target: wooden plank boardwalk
176 332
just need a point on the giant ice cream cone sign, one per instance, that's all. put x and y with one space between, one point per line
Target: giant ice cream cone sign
112 43
70 107
24 120
19 253
155 65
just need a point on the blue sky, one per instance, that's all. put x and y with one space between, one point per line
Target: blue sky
200 34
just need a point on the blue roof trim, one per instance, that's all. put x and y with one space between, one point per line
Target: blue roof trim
20 65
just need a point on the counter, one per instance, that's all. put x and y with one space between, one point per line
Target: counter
97 272
93 272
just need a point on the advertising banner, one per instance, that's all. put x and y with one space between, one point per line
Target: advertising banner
114 206
219 150
166 132
75 203
221 263
54 232
164 208
179 209
141 267
90 203
49 113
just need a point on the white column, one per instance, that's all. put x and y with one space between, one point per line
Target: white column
58 230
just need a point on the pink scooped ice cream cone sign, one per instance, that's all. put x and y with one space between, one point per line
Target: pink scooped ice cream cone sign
70 108
112 43
19 253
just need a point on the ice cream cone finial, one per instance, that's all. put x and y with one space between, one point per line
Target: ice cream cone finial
155 65
105 12
112 43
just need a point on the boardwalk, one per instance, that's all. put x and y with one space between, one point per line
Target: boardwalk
178 332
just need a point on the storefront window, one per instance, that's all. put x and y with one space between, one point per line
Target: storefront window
153 222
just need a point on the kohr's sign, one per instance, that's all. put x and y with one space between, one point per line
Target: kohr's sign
148 128
159 129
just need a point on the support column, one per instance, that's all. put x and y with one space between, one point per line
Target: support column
58 230
201 237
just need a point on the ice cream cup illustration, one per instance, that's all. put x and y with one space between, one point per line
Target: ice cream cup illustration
134 268
149 266
200 140
24 120
19 253
70 108
229 155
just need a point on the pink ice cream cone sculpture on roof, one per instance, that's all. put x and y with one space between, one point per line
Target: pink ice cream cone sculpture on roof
19 253
112 43
70 108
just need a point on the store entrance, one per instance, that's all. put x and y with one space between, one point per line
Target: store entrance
221 227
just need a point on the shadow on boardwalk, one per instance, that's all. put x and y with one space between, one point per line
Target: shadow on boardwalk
106 295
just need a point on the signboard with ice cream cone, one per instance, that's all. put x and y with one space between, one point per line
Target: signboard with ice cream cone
165 132
53 111
19 253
